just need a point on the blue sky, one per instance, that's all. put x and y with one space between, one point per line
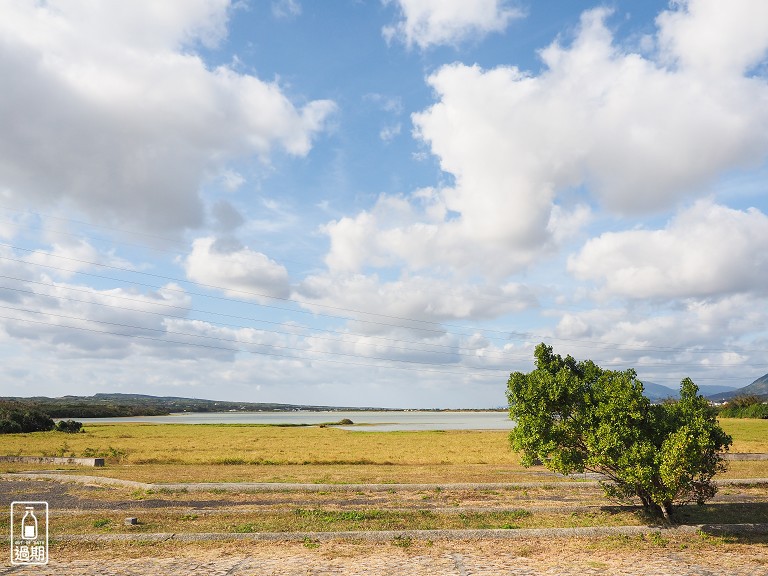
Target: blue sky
379 203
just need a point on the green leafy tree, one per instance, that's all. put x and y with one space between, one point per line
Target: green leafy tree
750 406
14 419
576 417
69 426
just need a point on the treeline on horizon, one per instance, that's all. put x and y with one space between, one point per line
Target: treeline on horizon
751 406
124 405
37 413
16 418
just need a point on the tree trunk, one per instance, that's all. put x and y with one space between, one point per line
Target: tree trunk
666 510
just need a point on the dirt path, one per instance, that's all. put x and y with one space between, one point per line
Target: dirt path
636 553
68 497
475 558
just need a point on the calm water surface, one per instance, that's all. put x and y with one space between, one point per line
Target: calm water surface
375 421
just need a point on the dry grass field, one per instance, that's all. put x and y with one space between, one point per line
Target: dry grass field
749 435
267 445
246 453
232 453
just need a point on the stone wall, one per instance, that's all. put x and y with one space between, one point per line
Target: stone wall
53 460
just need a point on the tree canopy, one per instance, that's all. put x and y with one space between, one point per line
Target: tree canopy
14 419
745 406
574 416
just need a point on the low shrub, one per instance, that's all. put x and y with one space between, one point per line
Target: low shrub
745 407
69 426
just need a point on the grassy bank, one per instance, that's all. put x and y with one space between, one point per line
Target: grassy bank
749 434
364 519
231 453
267 445
241 453
427 510
321 520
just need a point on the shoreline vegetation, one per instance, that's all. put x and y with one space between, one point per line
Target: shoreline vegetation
182 454
139 405
127 405
258 453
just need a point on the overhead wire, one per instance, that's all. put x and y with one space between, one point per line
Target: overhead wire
506 334
229 349
235 290
467 372
454 352
220 339
111 229
180 252
213 296
441 326
451 349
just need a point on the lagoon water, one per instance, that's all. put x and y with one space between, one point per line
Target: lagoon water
374 421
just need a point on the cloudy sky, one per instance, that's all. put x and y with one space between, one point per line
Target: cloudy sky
379 202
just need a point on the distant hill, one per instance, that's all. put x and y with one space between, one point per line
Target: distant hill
657 392
758 388
116 405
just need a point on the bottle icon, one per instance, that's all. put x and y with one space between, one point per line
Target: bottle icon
29 524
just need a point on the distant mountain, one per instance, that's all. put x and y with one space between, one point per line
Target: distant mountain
657 392
758 388
112 405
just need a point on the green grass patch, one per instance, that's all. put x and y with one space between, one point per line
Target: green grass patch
749 434
255 453
330 520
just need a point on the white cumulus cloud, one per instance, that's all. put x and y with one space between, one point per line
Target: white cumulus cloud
638 134
418 299
706 250
707 36
241 273
427 23
111 108
665 344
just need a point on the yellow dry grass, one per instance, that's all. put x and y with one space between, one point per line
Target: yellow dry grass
749 434
232 444
324 473
246 453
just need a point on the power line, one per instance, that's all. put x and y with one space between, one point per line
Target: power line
509 335
225 289
92 225
215 297
451 349
229 349
81 236
678 366
221 339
